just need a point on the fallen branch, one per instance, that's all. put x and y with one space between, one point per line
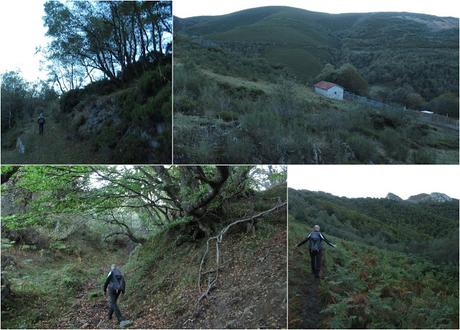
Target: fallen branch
212 280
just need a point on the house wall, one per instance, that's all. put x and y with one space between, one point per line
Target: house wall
333 92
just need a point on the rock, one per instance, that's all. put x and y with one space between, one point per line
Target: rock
433 197
393 197
20 146
125 323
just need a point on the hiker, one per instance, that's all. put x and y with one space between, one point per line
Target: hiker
41 123
115 282
315 239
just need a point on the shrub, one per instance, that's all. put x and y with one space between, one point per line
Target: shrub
108 137
101 87
394 144
445 104
423 156
364 149
227 115
70 99
187 105
132 149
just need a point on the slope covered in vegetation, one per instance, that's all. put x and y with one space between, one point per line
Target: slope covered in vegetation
395 265
242 88
60 236
107 96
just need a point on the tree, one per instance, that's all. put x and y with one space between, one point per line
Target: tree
445 104
161 194
105 36
15 94
347 76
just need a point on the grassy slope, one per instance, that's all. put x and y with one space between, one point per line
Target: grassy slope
373 288
441 144
298 38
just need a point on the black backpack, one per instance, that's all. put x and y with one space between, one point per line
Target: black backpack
117 280
41 120
315 241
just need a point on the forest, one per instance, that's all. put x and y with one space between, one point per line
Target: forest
243 88
395 264
200 247
107 96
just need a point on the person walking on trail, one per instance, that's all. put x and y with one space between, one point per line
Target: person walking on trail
115 284
41 123
315 239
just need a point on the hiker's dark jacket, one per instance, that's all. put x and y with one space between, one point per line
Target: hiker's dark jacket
111 278
315 238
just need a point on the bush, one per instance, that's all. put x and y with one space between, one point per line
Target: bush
101 87
108 137
150 82
227 115
186 105
70 99
423 156
394 144
364 149
445 104
132 149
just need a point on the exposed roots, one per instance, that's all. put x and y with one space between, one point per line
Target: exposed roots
213 275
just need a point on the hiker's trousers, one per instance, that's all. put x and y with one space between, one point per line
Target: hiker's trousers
316 262
113 307
40 129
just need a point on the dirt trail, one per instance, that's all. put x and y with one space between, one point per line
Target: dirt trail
310 305
90 310
55 146
304 300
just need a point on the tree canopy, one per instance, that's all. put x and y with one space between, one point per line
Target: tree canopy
158 194
108 37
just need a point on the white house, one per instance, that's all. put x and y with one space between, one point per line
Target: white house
329 89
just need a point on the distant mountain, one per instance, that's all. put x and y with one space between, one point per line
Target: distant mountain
390 49
433 197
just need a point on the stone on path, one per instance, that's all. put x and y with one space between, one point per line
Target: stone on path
125 323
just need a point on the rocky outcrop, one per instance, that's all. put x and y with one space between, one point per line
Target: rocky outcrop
433 197
393 197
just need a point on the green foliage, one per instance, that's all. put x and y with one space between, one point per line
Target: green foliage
70 99
347 76
445 104
367 284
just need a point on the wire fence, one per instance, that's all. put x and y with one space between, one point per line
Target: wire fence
429 118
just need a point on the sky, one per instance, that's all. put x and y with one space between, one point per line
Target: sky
376 180
21 31
187 8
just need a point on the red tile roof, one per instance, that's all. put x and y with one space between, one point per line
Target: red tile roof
325 85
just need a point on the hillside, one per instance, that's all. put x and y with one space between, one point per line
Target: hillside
54 266
243 88
385 47
395 265
106 92
104 122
